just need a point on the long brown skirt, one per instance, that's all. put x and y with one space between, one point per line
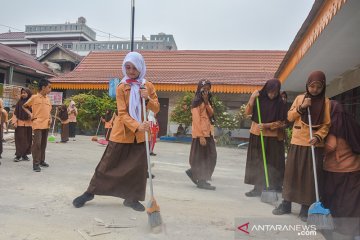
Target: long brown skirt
275 157
342 197
299 181
121 172
203 158
65 132
23 141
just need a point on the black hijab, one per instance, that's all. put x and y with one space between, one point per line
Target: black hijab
19 111
271 110
63 113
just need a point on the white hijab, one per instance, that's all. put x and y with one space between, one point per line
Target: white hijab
135 101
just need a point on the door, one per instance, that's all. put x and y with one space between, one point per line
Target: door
162 116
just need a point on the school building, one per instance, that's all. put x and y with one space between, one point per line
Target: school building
328 40
234 75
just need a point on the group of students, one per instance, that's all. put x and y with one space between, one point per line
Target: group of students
336 138
31 120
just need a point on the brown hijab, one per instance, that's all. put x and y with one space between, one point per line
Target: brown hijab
19 111
344 126
317 107
271 110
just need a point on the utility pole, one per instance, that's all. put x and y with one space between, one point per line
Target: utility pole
132 25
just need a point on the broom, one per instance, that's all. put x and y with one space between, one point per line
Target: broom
317 214
95 138
104 141
267 195
52 137
153 209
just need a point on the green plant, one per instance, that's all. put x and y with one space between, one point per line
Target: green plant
90 108
182 111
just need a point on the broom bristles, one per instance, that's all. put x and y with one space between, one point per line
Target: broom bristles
321 221
153 211
94 138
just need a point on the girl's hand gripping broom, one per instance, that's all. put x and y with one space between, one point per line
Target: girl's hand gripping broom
267 195
153 208
317 214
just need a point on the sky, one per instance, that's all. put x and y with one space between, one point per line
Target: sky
195 24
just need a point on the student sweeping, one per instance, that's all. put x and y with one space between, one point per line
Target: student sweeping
299 186
23 131
41 118
122 170
64 119
108 120
342 171
72 112
272 115
3 122
154 129
203 151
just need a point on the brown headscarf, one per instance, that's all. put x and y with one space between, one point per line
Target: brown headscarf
271 110
344 126
63 113
317 107
19 111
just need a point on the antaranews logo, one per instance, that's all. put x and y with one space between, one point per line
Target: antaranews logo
276 227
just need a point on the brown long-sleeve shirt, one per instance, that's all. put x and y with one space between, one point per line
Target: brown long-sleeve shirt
201 126
123 130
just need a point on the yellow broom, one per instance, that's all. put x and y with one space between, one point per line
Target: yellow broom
153 209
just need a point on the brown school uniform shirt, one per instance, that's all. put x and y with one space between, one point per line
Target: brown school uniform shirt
201 126
41 108
300 131
123 130
339 156
72 114
273 131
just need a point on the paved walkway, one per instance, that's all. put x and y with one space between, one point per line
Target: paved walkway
37 206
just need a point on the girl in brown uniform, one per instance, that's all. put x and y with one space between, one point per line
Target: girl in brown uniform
64 119
342 171
108 119
299 179
273 115
23 131
122 170
3 121
203 151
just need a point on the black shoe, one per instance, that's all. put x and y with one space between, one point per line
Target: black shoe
36 168
152 175
44 164
205 185
152 154
136 205
25 158
17 159
81 200
253 193
283 208
303 215
189 173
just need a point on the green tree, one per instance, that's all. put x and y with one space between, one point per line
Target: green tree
90 109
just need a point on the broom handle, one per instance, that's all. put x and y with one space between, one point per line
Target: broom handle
147 148
97 130
313 157
52 132
262 145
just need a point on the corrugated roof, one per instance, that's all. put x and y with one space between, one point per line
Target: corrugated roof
21 59
12 35
240 67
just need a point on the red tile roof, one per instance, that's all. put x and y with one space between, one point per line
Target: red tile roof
22 60
239 67
12 35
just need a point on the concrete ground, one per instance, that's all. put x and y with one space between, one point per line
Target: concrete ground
38 206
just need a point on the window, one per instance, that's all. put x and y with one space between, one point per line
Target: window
45 46
67 45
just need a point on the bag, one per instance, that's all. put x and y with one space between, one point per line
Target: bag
113 83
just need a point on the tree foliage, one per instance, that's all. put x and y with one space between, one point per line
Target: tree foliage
90 109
